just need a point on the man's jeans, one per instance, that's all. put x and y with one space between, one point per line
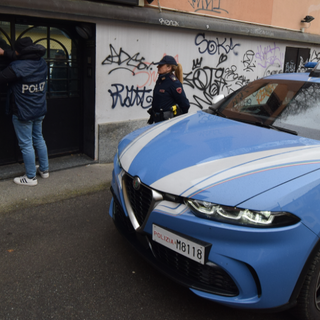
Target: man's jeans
29 134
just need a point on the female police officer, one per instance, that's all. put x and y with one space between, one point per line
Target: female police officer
169 98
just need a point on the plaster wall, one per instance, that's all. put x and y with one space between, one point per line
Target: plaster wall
285 14
213 63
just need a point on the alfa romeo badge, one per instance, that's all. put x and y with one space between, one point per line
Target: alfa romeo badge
136 183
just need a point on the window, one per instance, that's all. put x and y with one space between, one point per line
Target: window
61 56
295 59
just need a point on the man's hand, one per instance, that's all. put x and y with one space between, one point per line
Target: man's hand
1 52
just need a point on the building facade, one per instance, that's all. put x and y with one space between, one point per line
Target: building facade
100 58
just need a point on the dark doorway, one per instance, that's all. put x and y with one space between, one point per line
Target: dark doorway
295 59
68 127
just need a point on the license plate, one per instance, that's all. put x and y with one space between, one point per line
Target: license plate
186 247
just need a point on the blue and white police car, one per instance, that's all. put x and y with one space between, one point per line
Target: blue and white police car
226 201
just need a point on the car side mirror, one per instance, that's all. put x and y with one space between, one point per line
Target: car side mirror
217 98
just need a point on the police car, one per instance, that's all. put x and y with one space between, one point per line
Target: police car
226 201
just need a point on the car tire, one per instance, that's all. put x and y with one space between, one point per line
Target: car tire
308 303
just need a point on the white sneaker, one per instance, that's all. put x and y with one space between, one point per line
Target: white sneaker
25 181
44 174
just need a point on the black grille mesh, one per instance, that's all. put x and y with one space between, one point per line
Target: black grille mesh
140 200
119 215
211 278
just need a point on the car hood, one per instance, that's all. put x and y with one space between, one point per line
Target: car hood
210 158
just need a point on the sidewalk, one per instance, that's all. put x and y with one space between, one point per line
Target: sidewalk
60 185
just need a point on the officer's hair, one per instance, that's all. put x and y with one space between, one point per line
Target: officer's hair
178 72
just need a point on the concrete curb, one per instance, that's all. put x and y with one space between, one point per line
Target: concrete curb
60 185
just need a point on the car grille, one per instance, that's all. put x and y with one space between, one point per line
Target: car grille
140 200
209 277
120 217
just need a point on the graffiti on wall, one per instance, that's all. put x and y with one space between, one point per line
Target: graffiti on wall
211 81
270 58
315 56
248 61
123 60
216 46
166 22
217 68
128 97
225 77
208 5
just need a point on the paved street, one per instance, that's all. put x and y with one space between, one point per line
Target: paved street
65 260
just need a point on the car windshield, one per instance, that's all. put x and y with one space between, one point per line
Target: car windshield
292 106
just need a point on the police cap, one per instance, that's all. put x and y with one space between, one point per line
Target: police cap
167 60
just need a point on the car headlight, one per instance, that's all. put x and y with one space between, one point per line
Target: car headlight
240 216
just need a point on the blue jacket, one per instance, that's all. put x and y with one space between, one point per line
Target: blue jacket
27 84
168 92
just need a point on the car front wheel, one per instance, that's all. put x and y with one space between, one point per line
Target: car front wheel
308 306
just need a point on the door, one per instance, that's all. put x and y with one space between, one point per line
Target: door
295 59
8 143
64 124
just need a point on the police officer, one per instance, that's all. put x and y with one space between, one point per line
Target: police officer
169 98
26 76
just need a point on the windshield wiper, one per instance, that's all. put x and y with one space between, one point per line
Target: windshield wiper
268 126
216 112
281 129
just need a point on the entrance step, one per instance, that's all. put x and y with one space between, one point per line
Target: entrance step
55 164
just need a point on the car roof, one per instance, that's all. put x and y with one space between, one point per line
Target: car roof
294 77
312 75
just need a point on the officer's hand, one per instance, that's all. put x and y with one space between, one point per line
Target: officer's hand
1 52
150 121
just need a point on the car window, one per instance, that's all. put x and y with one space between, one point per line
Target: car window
257 98
262 99
303 112
294 105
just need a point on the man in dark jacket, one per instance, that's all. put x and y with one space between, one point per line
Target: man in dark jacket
26 100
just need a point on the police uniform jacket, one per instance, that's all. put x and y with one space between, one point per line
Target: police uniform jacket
168 92
27 84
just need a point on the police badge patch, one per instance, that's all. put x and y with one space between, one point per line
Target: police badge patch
179 90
